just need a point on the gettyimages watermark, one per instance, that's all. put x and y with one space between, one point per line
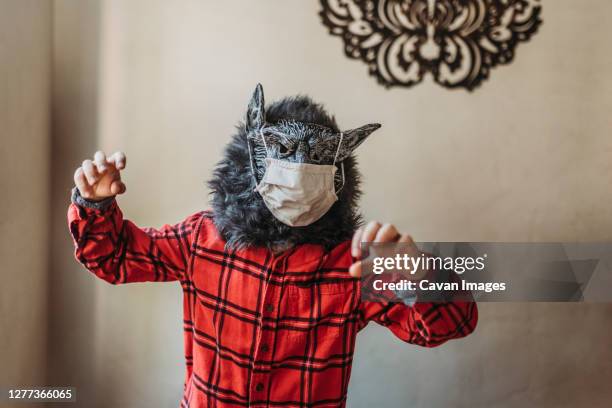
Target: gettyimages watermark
487 272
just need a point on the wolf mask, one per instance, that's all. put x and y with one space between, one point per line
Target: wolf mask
292 130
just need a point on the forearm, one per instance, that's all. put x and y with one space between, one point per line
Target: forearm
118 251
98 234
422 317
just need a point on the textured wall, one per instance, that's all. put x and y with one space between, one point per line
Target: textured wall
526 157
25 61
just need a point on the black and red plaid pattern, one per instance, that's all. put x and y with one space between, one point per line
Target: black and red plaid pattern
260 330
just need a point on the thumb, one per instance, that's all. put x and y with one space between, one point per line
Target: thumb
117 187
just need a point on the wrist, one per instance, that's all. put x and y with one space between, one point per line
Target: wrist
79 200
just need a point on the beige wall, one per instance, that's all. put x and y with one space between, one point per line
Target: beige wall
25 56
71 344
526 158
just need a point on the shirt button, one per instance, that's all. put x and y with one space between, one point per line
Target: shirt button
259 387
265 348
269 308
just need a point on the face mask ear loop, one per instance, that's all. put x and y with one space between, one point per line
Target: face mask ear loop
342 163
338 149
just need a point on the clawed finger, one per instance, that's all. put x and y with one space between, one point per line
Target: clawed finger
387 233
90 171
100 161
405 238
370 231
81 181
118 159
362 235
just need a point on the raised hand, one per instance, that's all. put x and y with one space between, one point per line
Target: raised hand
377 232
100 178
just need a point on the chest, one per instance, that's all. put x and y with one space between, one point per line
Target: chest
289 303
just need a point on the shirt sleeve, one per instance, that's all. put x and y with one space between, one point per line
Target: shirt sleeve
118 251
424 323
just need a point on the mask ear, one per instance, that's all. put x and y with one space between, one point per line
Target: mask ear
256 113
353 138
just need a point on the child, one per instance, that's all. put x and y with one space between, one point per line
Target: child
271 296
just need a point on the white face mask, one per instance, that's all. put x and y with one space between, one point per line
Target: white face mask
298 194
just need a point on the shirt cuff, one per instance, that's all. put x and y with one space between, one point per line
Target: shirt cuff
85 203
408 297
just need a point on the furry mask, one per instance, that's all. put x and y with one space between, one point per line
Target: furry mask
296 130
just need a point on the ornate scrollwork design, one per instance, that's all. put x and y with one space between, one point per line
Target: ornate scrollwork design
457 41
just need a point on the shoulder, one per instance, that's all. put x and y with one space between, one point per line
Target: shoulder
340 256
205 232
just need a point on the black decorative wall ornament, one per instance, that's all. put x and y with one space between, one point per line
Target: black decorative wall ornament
457 41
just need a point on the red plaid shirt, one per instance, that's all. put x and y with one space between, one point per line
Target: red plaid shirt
260 330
